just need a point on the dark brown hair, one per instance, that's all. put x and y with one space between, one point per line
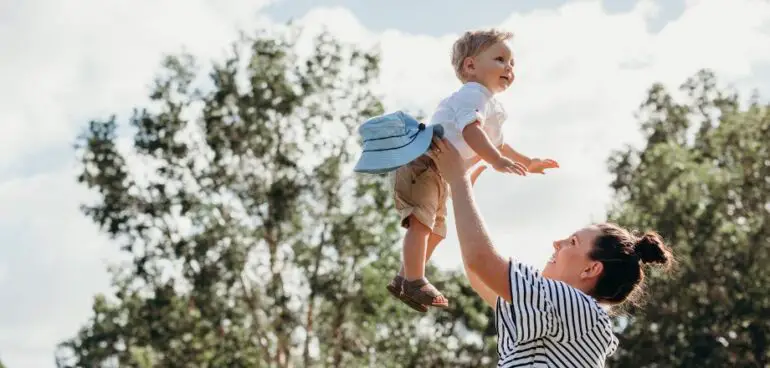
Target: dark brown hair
623 255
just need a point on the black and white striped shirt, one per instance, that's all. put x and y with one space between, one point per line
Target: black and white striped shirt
550 324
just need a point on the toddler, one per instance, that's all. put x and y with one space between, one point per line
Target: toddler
472 121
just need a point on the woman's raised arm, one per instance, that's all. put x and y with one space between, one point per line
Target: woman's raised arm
479 255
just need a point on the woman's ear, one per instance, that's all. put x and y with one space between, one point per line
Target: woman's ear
593 270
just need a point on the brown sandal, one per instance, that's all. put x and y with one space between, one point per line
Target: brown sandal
396 289
413 290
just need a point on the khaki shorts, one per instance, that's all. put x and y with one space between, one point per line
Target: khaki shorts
420 190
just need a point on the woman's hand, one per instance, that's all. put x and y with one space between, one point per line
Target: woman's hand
449 162
475 174
444 154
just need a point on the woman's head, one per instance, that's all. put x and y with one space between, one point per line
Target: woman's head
606 261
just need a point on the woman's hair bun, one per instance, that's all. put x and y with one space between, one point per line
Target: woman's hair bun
650 249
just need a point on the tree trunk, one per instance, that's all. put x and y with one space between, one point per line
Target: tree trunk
275 287
759 344
311 299
256 325
339 335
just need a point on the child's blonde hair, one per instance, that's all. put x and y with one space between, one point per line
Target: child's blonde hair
473 43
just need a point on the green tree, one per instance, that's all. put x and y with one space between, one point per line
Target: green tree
250 241
703 181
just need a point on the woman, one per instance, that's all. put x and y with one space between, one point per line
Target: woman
555 318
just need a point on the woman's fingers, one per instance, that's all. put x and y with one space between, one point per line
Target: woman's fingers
476 172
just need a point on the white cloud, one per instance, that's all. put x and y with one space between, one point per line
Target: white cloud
53 261
69 61
581 74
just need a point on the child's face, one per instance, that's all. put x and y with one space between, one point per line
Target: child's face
493 67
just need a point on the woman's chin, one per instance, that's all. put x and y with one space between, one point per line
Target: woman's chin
548 270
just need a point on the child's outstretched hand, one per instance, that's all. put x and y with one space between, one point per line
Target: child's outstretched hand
538 166
506 165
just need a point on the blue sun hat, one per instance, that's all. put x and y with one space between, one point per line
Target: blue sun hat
393 140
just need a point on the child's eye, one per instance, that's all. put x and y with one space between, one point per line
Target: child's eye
500 59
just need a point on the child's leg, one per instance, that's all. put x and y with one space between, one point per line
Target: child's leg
419 289
418 197
414 249
395 285
416 287
433 241
438 233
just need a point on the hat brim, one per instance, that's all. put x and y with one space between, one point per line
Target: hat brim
378 162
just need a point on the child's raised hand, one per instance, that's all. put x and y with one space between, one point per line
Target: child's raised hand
538 166
506 165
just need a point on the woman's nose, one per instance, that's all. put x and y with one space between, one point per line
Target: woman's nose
556 244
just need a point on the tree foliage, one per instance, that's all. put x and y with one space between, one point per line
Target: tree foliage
249 241
703 181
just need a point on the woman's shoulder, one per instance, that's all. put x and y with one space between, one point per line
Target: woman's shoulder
560 294
551 308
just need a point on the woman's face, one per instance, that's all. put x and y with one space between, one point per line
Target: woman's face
570 261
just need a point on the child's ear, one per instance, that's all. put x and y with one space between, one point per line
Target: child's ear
469 64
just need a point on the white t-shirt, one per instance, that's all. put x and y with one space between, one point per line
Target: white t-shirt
471 102
550 324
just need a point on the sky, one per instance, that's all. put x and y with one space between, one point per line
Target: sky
583 67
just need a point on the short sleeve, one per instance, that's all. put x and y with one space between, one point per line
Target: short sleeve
469 105
542 307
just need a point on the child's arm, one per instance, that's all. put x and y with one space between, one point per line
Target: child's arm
533 165
511 153
479 142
